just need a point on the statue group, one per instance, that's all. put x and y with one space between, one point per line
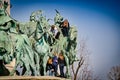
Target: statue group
34 43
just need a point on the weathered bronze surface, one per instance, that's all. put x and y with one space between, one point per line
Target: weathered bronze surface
32 43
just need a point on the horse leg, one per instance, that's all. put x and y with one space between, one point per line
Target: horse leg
26 65
14 69
27 72
45 58
12 72
34 73
30 65
37 60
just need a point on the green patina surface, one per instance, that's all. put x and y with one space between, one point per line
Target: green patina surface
32 43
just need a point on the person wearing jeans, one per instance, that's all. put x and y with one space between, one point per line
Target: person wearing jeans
61 62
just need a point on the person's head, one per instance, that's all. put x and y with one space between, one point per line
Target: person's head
55 54
50 61
61 56
61 53
53 27
65 23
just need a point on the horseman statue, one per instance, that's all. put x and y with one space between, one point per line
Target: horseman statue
34 44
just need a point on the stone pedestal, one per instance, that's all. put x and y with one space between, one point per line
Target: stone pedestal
31 78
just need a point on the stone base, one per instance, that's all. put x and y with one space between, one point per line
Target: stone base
31 78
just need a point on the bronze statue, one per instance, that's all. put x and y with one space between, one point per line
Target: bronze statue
33 43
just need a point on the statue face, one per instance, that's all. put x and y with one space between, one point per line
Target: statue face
32 18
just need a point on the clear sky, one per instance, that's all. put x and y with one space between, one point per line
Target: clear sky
96 20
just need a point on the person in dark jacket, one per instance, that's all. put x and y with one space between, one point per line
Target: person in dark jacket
50 67
61 62
65 28
55 32
55 63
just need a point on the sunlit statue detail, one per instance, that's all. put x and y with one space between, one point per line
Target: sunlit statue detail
32 43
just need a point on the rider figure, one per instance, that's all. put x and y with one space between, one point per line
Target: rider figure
65 28
55 31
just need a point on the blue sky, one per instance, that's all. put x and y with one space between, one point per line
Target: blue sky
96 20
